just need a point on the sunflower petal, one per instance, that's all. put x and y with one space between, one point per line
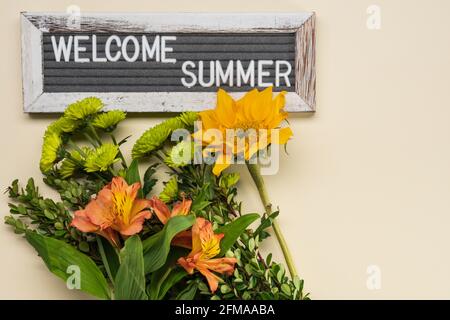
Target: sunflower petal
284 135
225 110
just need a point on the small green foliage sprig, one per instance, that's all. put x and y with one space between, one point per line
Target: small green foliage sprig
47 217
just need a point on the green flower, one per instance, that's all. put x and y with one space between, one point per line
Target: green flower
108 120
170 190
228 180
180 155
83 108
188 118
73 162
50 149
154 138
62 125
101 158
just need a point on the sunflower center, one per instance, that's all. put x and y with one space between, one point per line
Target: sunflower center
246 125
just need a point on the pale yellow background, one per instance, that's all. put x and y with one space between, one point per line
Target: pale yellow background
367 179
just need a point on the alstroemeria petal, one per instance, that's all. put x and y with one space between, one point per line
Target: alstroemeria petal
135 225
111 236
181 208
99 213
221 265
183 239
139 205
160 209
82 222
187 264
213 280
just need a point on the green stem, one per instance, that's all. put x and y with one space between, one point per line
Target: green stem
111 170
160 155
95 134
104 259
91 140
124 162
255 172
77 148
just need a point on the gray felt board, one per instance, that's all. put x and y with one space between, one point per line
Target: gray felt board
151 76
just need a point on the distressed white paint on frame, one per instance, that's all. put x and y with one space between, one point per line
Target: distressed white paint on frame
160 101
34 24
172 22
31 63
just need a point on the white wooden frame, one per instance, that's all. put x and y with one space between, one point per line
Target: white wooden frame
35 24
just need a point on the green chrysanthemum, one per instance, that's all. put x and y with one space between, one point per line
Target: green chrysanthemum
170 190
50 148
108 120
101 158
73 162
180 155
154 138
188 118
83 108
62 125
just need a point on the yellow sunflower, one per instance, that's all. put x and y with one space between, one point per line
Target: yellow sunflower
256 113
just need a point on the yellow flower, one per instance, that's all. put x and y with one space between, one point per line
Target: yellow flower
257 114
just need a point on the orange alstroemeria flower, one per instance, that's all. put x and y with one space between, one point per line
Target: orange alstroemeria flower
254 119
181 208
205 246
116 209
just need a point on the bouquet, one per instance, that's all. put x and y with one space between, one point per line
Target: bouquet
112 236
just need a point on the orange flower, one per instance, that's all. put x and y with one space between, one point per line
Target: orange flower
115 209
205 246
181 208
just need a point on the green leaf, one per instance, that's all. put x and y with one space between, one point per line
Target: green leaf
59 256
149 182
201 201
167 276
286 289
228 180
189 292
111 256
265 223
156 248
174 277
130 278
233 230
132 175
164 280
